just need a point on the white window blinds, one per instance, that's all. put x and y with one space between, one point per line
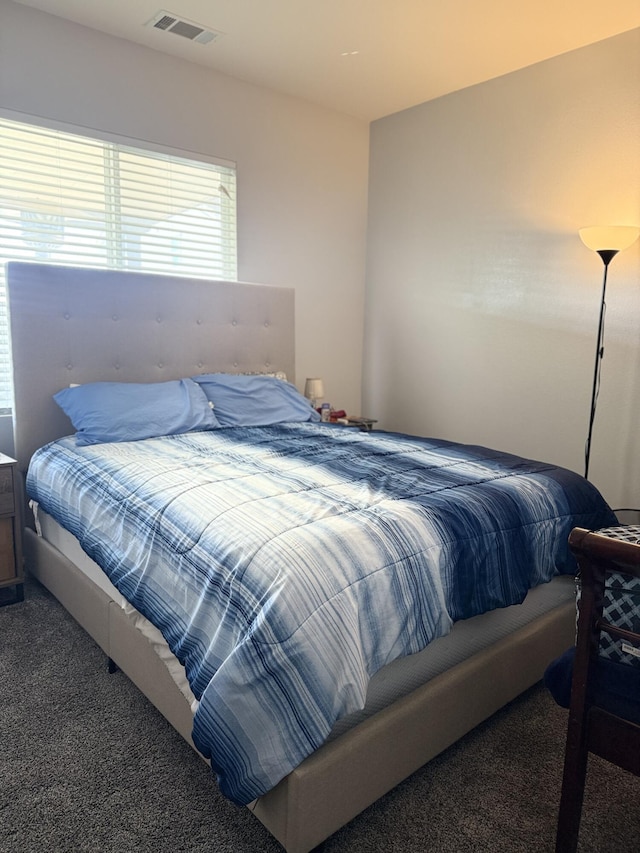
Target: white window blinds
74 200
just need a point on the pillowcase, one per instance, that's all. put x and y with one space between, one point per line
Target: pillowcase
246 400
129 411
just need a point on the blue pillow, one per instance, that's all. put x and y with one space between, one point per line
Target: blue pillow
128 411
247 400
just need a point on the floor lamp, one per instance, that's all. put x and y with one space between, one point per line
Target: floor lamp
607 241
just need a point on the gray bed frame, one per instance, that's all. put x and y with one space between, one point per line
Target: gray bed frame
76 325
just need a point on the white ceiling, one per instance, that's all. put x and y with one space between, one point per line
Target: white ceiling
408 51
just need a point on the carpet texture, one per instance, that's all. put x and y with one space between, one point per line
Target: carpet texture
87 764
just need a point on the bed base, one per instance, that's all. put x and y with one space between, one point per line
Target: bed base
347 775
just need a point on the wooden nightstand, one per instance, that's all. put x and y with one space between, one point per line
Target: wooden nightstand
11 574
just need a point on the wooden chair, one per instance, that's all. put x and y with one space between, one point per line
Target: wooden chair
604 711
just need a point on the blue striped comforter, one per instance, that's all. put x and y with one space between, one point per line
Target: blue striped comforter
285 565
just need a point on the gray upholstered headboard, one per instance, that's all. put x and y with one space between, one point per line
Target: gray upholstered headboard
82 325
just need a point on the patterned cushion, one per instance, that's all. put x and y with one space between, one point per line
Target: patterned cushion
621 603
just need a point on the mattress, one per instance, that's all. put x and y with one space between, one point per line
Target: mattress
392 682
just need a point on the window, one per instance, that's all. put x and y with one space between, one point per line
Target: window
74 200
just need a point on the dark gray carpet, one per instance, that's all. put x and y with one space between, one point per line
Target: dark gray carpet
88 765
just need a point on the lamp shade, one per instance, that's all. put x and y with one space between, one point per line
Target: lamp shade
314 389
615 238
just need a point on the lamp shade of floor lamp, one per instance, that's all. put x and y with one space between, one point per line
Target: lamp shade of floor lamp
607 241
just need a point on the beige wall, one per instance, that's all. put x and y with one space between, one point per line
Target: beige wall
302 170
482 303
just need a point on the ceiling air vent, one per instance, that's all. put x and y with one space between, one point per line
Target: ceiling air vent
180 27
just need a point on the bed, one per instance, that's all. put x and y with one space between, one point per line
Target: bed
74 326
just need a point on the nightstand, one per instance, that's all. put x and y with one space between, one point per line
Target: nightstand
363 424
10 532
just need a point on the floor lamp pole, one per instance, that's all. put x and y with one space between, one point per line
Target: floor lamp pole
617 238
607 255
